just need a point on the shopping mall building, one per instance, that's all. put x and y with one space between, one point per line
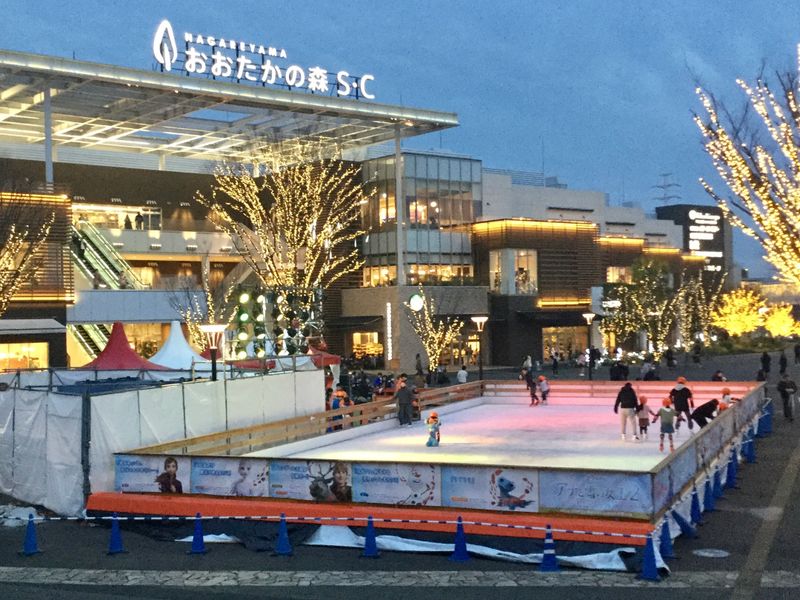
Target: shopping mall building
119 154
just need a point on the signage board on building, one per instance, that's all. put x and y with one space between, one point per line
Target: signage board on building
703 232
218 56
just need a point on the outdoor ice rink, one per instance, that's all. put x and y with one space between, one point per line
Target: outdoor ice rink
514 435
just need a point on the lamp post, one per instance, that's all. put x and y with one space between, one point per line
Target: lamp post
480 323
589 316
213 333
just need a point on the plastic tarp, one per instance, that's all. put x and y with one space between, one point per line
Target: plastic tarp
30 450
115 428
343 537
64 470
279 400
246 400
6 441
205 407
118 354
161 415
176 353
309 392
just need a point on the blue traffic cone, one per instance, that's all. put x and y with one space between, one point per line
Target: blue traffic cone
717 483
460 553
549 559
708 497
695 513
665 542
284 546
370 543
750 448
733 468
649 568
198 543
766 420
687 528
115 541
30 546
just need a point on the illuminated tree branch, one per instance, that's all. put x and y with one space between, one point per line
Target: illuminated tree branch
436 332
740 311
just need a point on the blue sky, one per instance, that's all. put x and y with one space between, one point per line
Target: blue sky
600 93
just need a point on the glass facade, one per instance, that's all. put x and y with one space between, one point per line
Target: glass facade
25 355
440 193
513 271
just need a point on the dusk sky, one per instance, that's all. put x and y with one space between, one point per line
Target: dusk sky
598 93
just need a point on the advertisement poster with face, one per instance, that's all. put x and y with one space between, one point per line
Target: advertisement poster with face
323 481
165 474
490 488
400 484
230 476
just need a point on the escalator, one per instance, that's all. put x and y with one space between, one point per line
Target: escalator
92 253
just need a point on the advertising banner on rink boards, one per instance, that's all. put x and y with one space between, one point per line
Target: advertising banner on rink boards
230 476
323 481
587 492
397 484
490 488
165 474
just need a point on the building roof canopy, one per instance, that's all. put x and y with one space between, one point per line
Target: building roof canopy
118 108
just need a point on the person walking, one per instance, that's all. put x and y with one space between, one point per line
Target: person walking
682 401
782 363
797 353
766 361
626 406
462 375
404 396
786 388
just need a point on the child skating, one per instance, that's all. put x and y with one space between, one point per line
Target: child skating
642 414
667 415
433 429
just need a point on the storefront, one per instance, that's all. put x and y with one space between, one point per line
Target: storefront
31 344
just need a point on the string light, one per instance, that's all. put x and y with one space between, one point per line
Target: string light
739 311
295 226
779 322
762 178
437 333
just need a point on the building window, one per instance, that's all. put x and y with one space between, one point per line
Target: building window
379 276
513 271
525 271
25 355
365 343
619 275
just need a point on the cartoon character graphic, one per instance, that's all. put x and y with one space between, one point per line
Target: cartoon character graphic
434 436
331 484
252 481
502 488
423 490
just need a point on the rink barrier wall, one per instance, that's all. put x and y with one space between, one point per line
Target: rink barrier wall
458 486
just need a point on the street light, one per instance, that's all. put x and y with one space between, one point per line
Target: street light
480 323
213 333
589 316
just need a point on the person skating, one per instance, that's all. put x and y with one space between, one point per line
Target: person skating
404 396
787 387
683 403
667 415
544 389
703 413
642 413
626 405
434 435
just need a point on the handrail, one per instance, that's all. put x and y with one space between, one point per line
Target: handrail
109 253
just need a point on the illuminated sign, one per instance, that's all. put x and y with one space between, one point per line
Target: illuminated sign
241 61
704 237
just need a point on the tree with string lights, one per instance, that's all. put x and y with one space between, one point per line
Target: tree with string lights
779 321
764 178
24 228
292 213
436 332
739 311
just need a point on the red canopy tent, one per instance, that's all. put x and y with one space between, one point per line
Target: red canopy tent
118 356
324 359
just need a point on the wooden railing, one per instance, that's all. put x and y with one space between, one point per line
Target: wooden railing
267 435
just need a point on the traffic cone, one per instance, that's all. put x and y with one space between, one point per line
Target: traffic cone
549 559
733 468
665 542
30 545
649 568
750 447
283 547
115 541
687 528
198 543
717 483
460 553
708 497
696 513
370 543
765 424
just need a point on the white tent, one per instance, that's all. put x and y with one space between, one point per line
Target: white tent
177 354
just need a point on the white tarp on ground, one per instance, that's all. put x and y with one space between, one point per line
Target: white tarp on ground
343 537
177 354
